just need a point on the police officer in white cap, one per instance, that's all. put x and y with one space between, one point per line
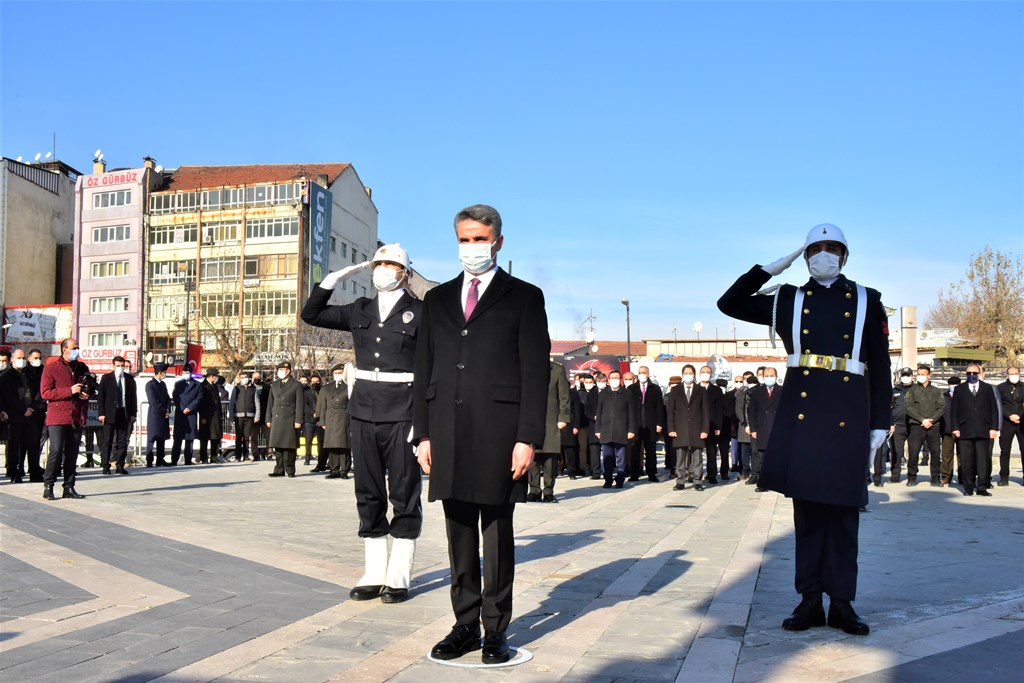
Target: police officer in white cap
380 409
833 415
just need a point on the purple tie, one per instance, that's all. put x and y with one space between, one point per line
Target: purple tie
472 297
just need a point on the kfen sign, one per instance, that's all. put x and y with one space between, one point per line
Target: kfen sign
319 231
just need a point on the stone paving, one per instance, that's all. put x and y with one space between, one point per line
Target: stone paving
218 573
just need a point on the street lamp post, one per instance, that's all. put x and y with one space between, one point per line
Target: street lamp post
625 302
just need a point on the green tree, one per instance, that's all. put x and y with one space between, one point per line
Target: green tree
987 305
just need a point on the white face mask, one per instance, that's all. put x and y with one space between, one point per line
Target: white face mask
476 257
705 377
770 381
19 363
245 381
642 377
1013 378
281 374
824 266
384 279
339 378
627 382
588 385
3 366
601 385
687 379
907 380
118 371
921 379
614 383
35 363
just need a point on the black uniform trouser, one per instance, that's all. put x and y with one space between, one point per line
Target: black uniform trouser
594 458
756 460
310 430
13 455
30 446
542 473
176 451
114 446
284 461
571 457
155 444
386 469
976 461
1007 434
643 449
918 436
949 455
209 454
64 443
712 446
670 456
897 451
339 460
472 602
91 442
826 549
724 440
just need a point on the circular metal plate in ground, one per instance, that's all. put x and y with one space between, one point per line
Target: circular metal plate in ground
519 656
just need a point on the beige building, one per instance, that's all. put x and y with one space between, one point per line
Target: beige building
37 225
228 256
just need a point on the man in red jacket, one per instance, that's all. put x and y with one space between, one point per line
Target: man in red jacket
63 386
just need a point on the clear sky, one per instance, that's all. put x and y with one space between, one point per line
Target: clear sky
652 151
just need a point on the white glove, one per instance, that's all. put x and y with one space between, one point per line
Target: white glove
878 437
776 267
331 280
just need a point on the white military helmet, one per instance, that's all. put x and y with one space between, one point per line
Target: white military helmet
393 253
826 232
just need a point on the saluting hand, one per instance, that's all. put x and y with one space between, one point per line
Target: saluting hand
522 458
776 267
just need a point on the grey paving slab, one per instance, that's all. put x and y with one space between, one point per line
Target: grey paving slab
27 590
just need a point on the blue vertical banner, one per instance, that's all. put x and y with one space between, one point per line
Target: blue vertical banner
319 231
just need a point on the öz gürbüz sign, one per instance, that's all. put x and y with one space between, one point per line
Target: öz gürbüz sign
319 231
119 178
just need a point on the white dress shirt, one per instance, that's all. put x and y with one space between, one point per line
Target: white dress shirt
485 280
386 302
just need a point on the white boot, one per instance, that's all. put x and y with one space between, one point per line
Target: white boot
400 563
376 559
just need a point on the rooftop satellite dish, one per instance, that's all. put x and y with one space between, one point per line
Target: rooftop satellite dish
38 156
589 337
99 158
48 155
698 326
149 357
593 348
19 158
159 169
97 153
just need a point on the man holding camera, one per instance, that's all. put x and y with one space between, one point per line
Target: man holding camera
64 386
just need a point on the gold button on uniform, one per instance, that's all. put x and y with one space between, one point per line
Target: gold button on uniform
803 394
800 416
842 424
809 293
846 315
806 331
807 310
806 372
846 379
849 296
846 355
846 336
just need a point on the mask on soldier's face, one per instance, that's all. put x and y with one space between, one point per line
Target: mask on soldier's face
824 266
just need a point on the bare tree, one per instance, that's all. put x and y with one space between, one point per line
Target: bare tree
987 305
320 349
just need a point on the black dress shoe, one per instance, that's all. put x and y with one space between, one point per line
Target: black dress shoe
365 592
712 481
71 493
532 497
318 469
631 479
841 615
496 650
345 475
48 492
983 492
1004 482
121 471
759 489
276 474
548 498
653 479
679 487
291 474
462 639
607 485
333 475
808 613
618 484
106 470
698 487
393 596
968 492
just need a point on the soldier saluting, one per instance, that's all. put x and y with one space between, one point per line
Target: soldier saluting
384 331
833 414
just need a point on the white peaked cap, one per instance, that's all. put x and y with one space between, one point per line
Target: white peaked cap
395 253
826 232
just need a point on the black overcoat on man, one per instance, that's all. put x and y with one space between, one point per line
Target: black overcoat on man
211 413
481 386
974 415
558 410
575 416
762 408
285 409
157 425
617 416
332 414
187 393
107 397
688 418
820 441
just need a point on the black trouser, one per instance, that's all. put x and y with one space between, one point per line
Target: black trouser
1007 434
724 440
156 443
583 448
897 451
30 449
643 452
309 432
543 467
918 436
176 451
826 549
595 459
881 457
244 434
472 602
756 458
571 456
339 460
386 469
284 461
976 461
91 442
949 455
260 434
711 450
670 456
115 441
213 452
14 459
64 443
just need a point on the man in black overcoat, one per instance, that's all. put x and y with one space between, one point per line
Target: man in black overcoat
481 393
211 419
833 414
186 397
158 429
285 409
384 333
651 415
974 417
118 409
762 407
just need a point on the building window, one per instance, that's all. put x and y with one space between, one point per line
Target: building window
165 307
102 200
109 269
218 305
161 203
272 227
173 234
107 338
334 245
344 249
170 272
111 233
164 343
108 304
355 256
215 269
271 303
271 340
217 232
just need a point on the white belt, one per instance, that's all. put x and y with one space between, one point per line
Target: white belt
376 376
814 360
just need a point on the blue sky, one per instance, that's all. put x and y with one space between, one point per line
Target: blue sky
652 151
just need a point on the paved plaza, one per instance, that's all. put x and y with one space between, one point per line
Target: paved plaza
219 573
